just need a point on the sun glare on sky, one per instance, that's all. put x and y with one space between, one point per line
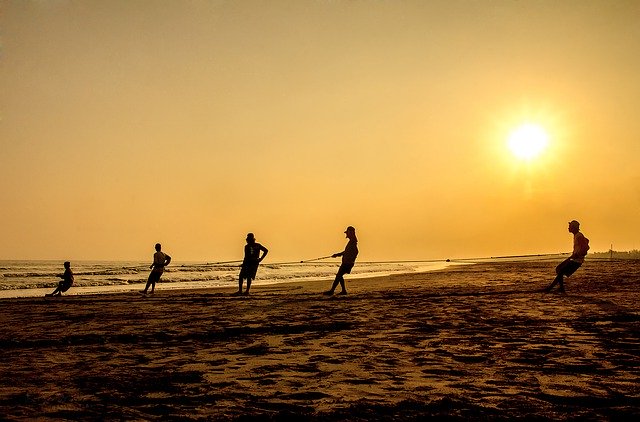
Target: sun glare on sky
393 117
528 141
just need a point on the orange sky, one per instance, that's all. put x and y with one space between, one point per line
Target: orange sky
191 123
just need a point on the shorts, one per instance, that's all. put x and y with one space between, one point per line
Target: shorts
154 276
345 268
64 286
567 267
248 272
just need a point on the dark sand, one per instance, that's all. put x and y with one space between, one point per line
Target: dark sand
472 342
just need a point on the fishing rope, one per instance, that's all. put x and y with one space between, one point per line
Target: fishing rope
532 257
475 260
223 262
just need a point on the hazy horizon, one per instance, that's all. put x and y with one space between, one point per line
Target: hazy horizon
191 123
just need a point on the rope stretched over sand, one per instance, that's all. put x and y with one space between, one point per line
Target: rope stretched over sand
531 257
485 259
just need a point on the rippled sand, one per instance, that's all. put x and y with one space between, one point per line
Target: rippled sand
469 342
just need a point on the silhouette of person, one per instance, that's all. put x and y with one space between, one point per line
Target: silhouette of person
348 260
250 263
65 283
571 264
160 260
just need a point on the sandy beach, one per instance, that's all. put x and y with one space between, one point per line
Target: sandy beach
469 342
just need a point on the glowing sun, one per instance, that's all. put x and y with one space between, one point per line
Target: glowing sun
528 141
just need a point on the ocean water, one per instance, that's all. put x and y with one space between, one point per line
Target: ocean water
35 278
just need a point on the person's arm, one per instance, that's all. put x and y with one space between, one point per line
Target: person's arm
265 251
337 254
167 260
576 247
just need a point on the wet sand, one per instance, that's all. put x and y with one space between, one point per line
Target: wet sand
470 342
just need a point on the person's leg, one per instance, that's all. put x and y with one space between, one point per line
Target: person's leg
344 288
559 274
333 287
55 292
61 288
251 275
241 277
153 283
338 280
148 283
240 283
566 271
556 280
344 269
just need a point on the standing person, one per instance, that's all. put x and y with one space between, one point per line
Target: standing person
348 260
65 283
160 260
571 264
250 263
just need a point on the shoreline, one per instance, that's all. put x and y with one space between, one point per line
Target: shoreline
174 289
470 342
194 286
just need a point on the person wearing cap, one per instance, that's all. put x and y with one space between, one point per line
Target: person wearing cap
348 260
160 260
250 262
571 264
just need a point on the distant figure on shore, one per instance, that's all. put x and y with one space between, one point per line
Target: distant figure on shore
571 264
250 263
160 260
65 283
348 260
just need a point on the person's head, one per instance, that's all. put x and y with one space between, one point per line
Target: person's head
251 238
574 226
67 264
350 232
158 247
